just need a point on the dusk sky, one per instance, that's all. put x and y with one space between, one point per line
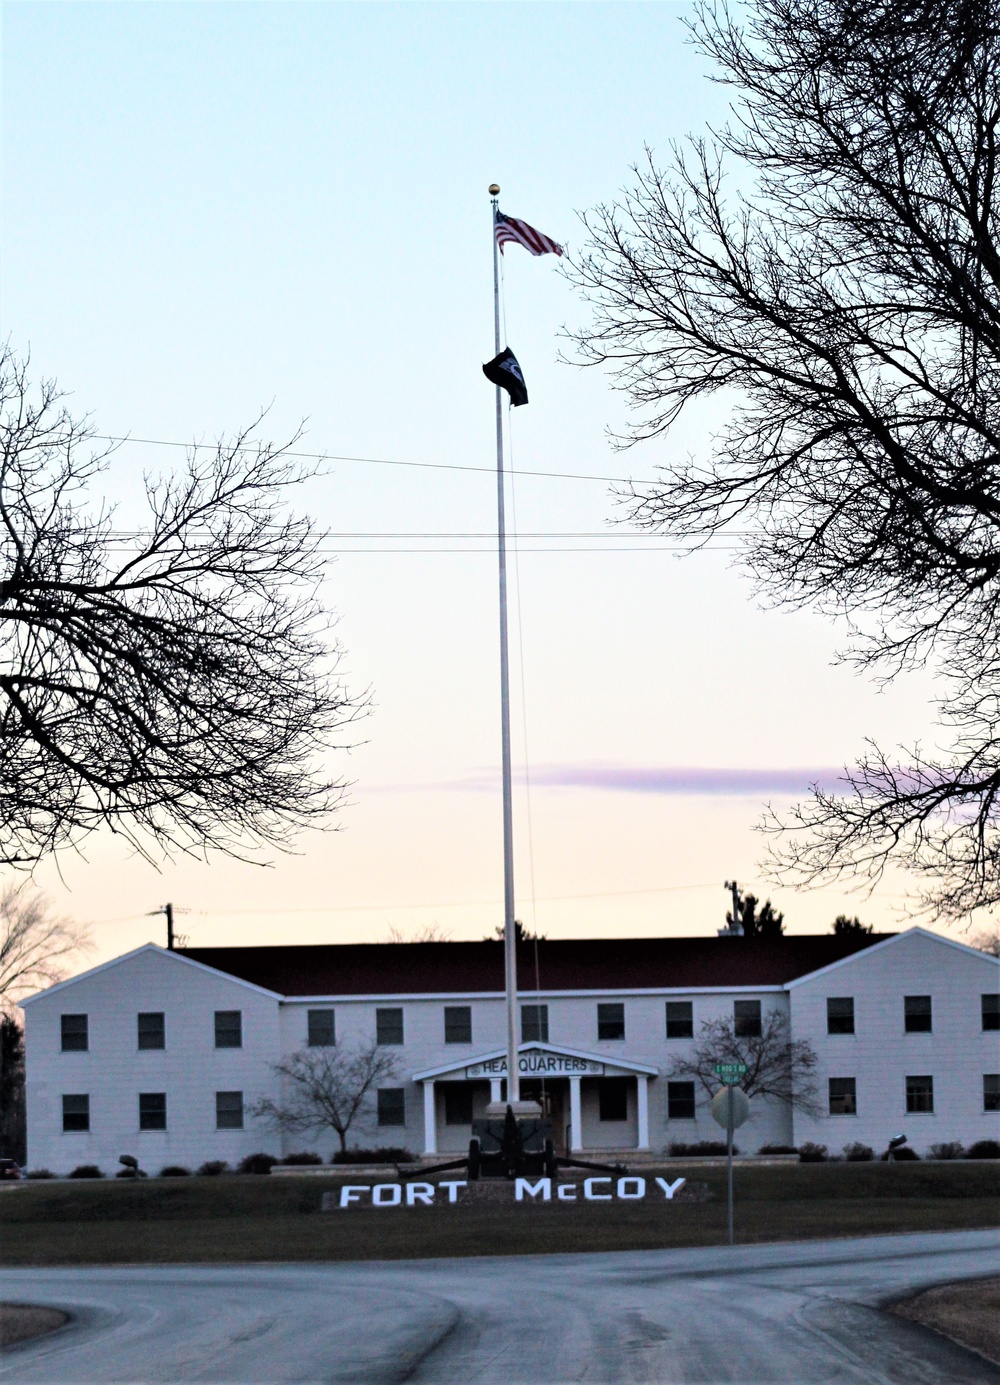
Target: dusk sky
214 209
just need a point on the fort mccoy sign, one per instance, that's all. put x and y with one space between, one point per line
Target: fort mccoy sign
628 1188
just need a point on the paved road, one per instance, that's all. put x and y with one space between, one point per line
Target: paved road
795 1313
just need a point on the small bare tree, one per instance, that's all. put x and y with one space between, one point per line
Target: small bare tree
424 933
987 940
326 1089
778 1066
34 943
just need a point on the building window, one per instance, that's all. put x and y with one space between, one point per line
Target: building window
611 1020
389 1026
919 1095
76 1112
74 1033
746 1019
917 1014
458 1024
680 1101
612 1098
680 1019
321 1028
229 1029
840 1014
843 1096
152 1110
534 1024
991 1011
457 1103
392 1106
991 1091
229 1110
152 1025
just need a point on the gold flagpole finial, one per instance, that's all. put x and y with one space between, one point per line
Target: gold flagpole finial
494 189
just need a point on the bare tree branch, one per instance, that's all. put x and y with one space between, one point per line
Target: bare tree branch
34 943
174 683
841 303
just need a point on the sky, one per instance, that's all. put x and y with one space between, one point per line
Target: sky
210 210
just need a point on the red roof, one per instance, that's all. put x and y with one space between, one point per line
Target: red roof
578 964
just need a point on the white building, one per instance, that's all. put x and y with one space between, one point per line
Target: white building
160 1054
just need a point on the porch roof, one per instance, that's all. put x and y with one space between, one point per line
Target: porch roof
601 1060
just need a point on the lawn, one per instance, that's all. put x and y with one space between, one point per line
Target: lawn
248 1218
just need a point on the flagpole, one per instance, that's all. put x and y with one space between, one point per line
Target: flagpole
509 930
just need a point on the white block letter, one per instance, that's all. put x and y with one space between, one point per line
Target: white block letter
453 1190
588 1190
393 1200
566 1192
670 1188
419 1192
640 1187
522 1186
350 1193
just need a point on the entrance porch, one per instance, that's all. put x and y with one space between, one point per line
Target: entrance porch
594 1104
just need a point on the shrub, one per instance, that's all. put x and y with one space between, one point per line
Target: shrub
175 1171
131 1173
857 1153
386 1154
950 1149
39 1173
256 1163
777 1149
903 1155
811 1153
700 1147
983 1149
212 1168
304 1157
86 1171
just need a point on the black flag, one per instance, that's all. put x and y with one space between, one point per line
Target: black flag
504 371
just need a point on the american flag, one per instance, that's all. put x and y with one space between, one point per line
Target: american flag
508 228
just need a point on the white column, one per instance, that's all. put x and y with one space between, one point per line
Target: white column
575 1118
495 1089
430 1119
642 1092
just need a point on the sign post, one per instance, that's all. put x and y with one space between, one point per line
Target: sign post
730 1110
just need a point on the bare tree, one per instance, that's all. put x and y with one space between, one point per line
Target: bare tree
173 683
34 943
778 1066
326 1089
987 940
841 296
423 933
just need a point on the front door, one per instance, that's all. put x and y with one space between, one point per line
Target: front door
550 1095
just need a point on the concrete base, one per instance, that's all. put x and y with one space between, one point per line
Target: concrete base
523 1110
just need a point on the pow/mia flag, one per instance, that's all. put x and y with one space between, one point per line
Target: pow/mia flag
504 371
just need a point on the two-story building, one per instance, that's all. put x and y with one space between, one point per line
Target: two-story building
163 1054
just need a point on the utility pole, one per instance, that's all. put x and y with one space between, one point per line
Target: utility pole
168 911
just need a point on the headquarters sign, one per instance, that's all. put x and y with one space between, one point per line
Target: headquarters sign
538 1064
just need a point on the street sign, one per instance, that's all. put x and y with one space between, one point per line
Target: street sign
726 1098
730 1073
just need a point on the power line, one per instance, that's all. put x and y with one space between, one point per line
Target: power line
383 461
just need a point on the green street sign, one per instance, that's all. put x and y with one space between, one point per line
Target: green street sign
730 1072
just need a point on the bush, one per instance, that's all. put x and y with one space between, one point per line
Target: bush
811 1153
386 1154
950 1149
700 1147
131 1173
777 1149
39 1173
857 1153
304 1157
983 1149
174 1171
86 1171
903 1155
212 1168
256 1163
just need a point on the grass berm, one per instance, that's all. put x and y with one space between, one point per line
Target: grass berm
246 1218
